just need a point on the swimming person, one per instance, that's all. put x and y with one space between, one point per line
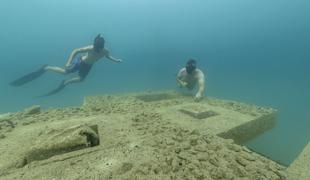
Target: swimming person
80 60
190 76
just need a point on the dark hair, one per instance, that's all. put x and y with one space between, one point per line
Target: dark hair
191 66
99 43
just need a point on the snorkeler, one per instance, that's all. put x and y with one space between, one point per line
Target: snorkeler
189 76
75 63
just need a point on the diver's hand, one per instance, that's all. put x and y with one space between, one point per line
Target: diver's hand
198 97
119 60
183 83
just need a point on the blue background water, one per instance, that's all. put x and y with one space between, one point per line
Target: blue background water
252 51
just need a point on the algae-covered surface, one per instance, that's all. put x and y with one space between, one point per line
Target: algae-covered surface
300 168
135 136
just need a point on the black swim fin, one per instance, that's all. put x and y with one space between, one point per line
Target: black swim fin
59 88
28 77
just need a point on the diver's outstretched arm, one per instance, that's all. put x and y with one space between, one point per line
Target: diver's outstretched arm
201 89
112 58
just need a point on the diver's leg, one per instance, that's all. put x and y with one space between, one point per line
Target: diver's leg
73 80
56 69
62 85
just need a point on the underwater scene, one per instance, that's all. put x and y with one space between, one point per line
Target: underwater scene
165 89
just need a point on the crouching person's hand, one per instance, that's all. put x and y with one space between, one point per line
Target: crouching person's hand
198 97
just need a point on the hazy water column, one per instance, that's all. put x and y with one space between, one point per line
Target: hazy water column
252 51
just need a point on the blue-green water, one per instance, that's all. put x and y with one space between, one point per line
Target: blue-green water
252 51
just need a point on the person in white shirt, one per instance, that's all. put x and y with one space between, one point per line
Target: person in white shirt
190 76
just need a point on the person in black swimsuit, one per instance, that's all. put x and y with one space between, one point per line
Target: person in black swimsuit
80 60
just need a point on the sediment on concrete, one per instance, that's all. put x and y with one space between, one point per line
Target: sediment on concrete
141 138
247 131
300 168
228 119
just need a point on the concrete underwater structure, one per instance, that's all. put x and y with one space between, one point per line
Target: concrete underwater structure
118 136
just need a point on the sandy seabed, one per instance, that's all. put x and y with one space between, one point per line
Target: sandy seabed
126 136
